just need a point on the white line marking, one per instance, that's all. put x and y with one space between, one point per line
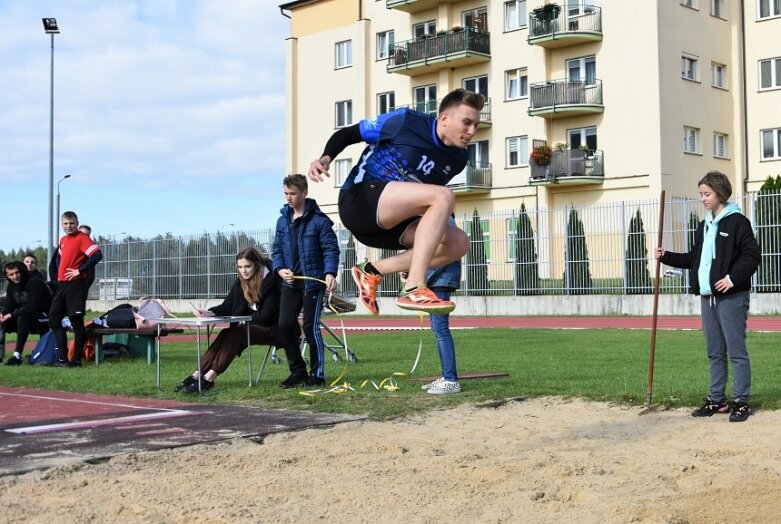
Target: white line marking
82 401
48 428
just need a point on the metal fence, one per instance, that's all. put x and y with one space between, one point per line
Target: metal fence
597 249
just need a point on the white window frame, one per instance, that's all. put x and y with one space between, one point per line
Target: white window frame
718 75
718 8
720 145
518 145
478 12
521 78
344 54
691 140
582 65
774 136
428 104
344 113
772 6
480 83
515 15
342 167
775 74
384 43
690 67
429 27
390 101
584 135
694 4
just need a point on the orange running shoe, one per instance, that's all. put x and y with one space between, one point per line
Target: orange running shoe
367 284
423 299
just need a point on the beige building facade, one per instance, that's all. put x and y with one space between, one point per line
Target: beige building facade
633 97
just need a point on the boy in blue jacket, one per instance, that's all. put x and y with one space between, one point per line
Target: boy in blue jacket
305 248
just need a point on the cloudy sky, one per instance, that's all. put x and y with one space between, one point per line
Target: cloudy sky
168 115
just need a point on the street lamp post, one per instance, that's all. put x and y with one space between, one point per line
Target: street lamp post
50 27
57 216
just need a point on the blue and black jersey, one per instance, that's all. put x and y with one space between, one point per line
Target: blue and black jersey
404 146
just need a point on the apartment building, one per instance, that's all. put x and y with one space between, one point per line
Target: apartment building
632 97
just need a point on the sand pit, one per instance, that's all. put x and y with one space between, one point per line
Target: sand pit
546 460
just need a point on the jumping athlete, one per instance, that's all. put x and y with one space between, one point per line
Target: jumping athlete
382 209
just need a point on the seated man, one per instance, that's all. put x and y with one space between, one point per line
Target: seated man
26 307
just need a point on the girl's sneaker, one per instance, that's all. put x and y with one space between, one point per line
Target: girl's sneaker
444 387
426 387
710 408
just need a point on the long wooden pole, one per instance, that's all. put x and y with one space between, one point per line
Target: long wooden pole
652 353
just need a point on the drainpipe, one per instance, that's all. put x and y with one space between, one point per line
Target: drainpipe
745 103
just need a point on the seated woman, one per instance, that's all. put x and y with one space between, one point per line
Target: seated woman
255 292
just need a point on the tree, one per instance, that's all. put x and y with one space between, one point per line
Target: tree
638 278
476 263
769 235
577 274
526 268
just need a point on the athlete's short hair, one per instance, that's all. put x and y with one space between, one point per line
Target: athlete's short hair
297 181
461 96
720 184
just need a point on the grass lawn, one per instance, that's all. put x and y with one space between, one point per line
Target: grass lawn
604 364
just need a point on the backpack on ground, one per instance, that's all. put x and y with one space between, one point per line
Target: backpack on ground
45 351
87 353
121 316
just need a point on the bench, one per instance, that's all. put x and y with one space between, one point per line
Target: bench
148 335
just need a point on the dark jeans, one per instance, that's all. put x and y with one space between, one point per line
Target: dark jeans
292 300
69 300
23 325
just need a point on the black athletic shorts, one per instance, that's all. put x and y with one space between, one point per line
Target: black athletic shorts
70 298
358 212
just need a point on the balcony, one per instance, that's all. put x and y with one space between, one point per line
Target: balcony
475 178
454 48
432 108
414 6
560 98
570 166
573 25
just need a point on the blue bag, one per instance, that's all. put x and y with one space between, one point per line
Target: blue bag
45 351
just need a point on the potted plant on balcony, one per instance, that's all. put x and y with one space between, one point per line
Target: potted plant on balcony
547 12
541 155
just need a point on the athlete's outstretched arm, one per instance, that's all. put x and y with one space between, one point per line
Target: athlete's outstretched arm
342 138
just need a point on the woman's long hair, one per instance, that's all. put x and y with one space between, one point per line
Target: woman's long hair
251 287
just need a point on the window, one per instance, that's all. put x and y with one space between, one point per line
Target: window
717 8
768 8
583 138
424 29
477 84
690 3
720 145
386 102
344 54
517 151
516 84
580 69
770 73
691 140
477 154
771 144
384 44
344 113
718 75
477 19
426 100
342 169
514 15
690 67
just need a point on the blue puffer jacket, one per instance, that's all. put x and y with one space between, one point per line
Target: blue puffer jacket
318 247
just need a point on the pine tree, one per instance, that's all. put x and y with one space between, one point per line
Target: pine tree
476 266
577 274
527 275
769 235
638 278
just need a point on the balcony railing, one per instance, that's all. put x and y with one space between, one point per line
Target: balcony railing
432 108
476 177
445 49
566 96
570 166
413 6
575 24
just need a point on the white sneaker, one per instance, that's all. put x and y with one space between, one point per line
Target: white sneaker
444 387
425 387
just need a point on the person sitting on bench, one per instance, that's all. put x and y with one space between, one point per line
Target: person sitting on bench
26 308
255 292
